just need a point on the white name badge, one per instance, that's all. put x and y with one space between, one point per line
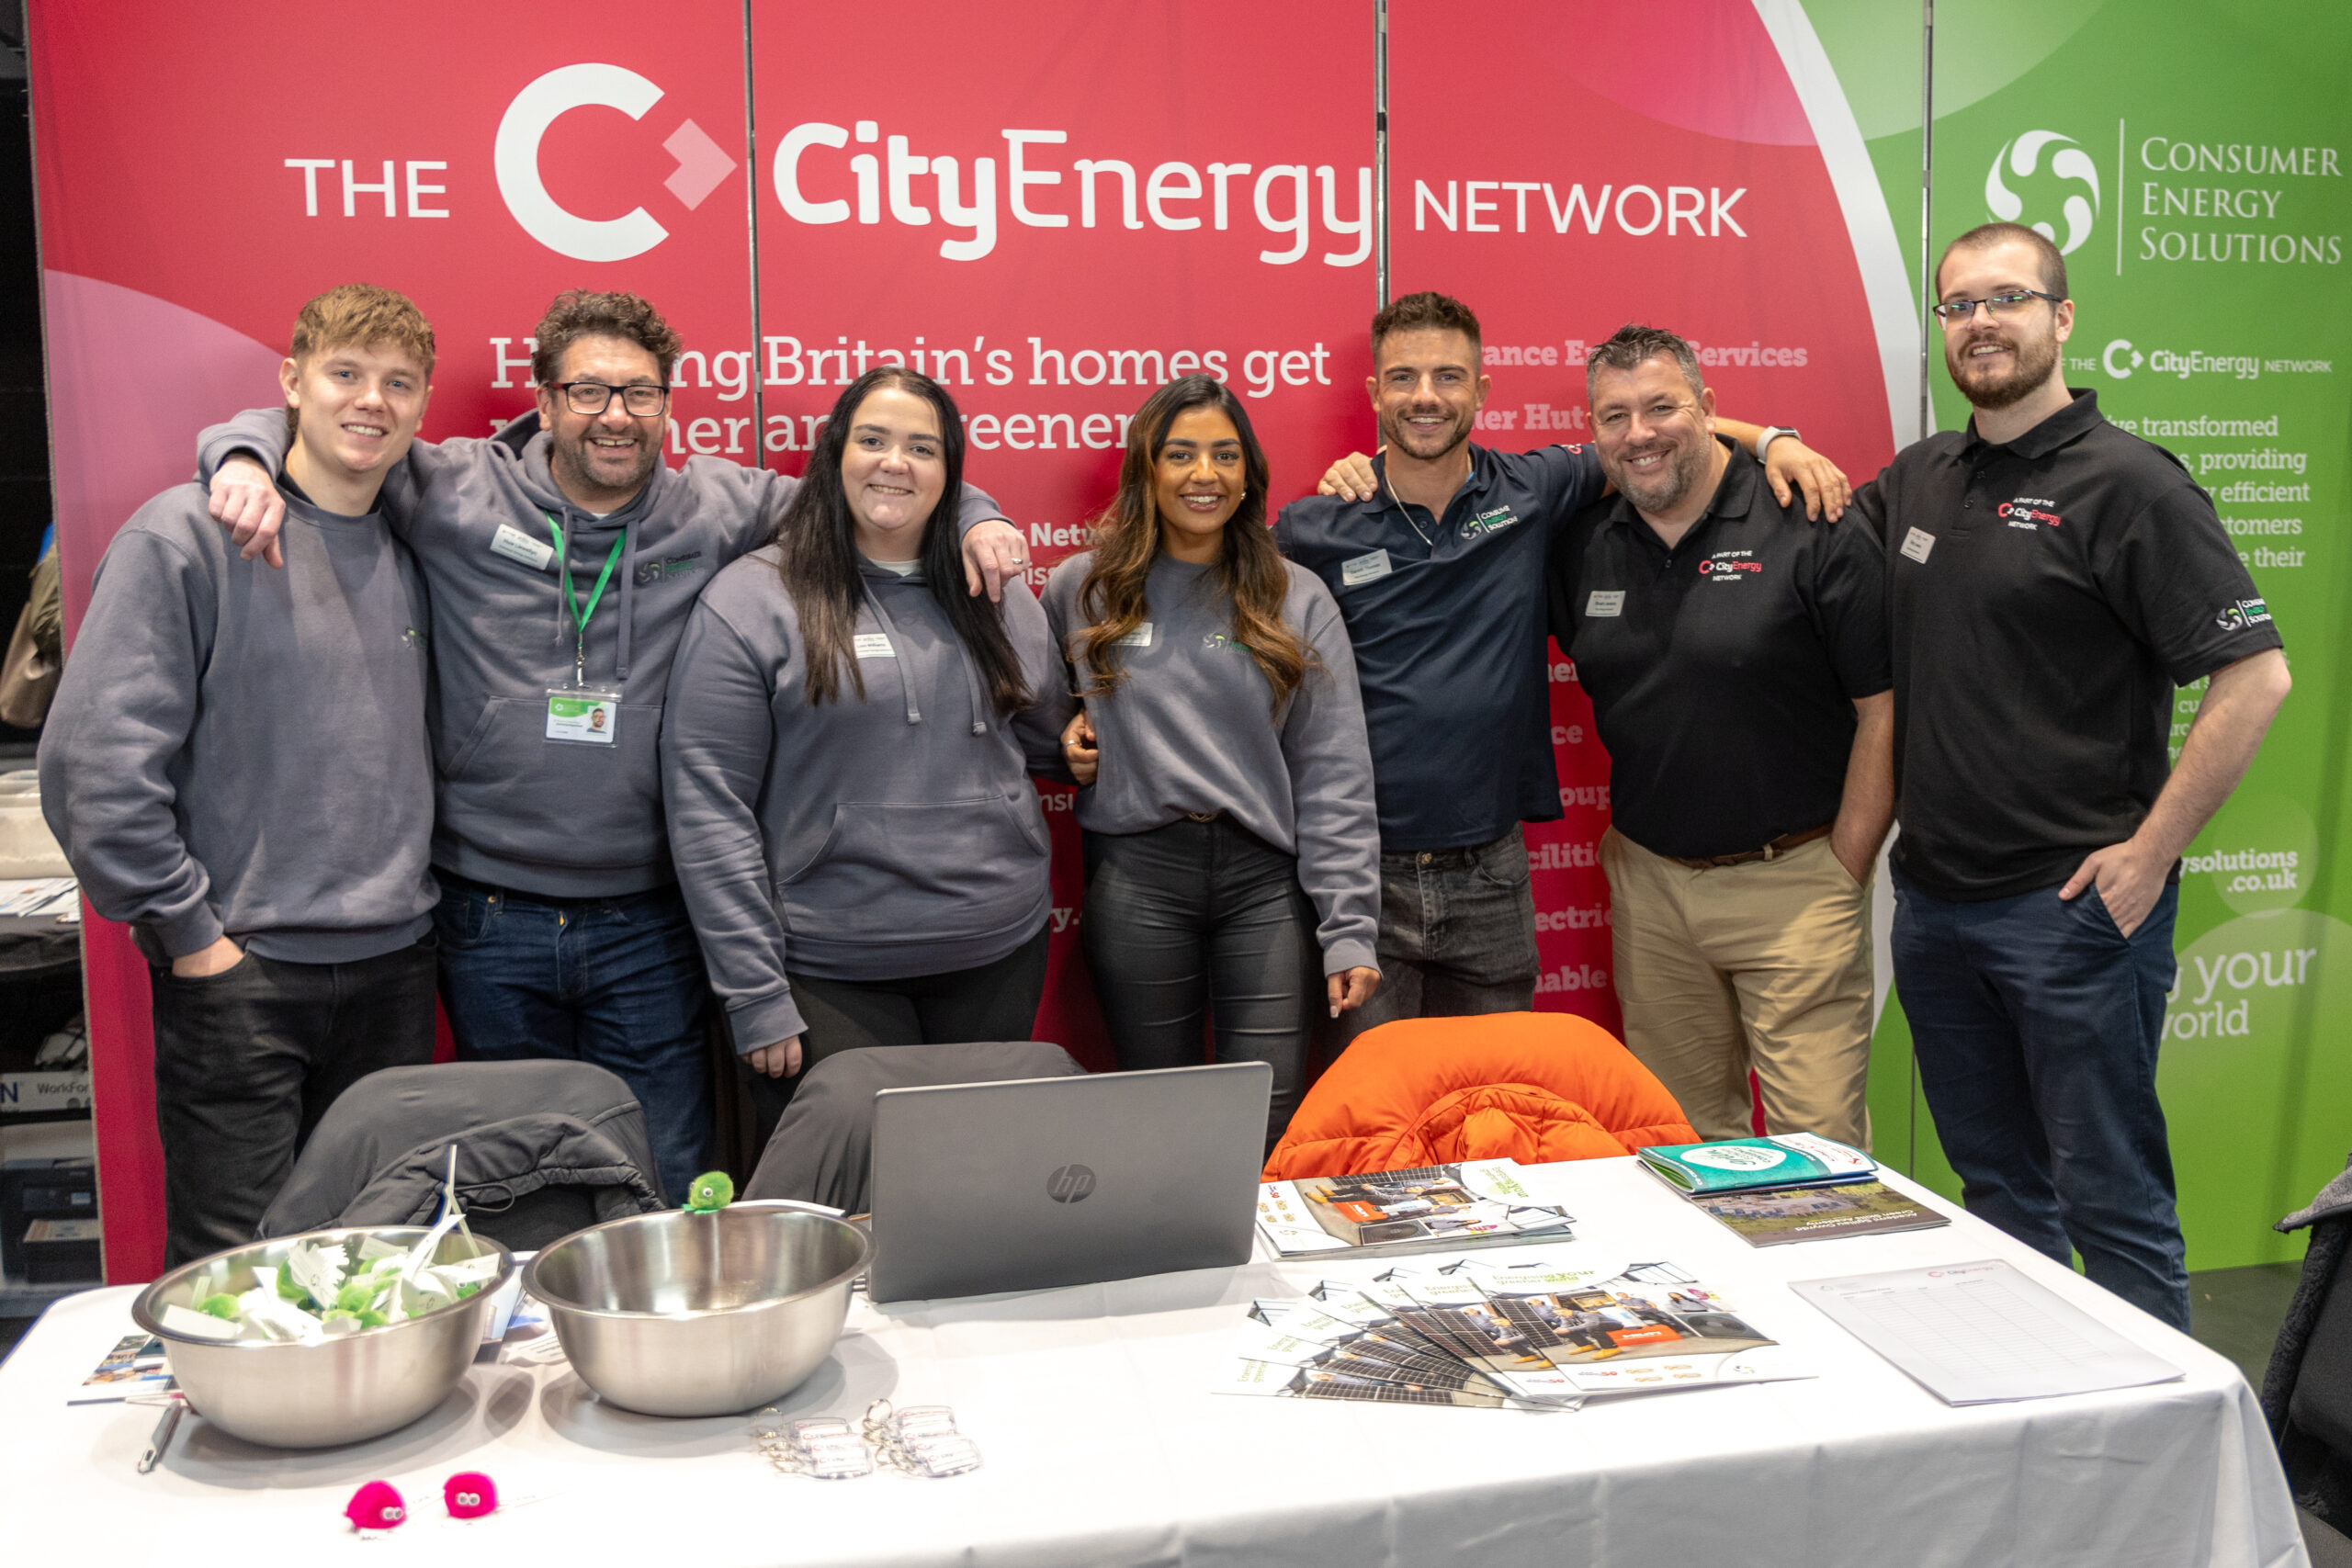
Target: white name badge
1610 602
1139 637
1917 544
872 645
1364 569
515 544
584 715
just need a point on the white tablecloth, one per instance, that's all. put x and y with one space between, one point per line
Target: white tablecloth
1103 1448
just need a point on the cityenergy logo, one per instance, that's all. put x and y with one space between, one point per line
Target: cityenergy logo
702 163
2069 165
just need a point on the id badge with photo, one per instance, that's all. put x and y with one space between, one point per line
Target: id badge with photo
584 716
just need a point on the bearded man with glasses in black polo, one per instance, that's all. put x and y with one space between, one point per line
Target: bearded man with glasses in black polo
2051 580
564 557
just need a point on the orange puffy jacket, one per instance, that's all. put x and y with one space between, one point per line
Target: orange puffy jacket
1524 1085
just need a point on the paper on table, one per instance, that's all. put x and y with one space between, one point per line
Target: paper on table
1981 1333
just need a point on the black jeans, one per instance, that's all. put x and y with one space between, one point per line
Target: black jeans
988 1001
1201 920
247 1061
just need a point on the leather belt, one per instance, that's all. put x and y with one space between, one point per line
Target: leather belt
1773 851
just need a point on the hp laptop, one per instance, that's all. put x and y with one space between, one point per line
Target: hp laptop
1065 1181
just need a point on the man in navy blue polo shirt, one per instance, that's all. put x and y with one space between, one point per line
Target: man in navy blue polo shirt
2051 580
1435 552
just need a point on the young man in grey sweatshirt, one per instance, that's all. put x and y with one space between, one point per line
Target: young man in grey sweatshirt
568 561
237 765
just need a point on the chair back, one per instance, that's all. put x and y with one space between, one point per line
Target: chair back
822 1148
1532 1086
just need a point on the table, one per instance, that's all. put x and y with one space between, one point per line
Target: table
1102 1448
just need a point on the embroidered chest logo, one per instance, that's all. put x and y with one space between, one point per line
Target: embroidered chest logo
2028 512
1493 521
649 572
1730 566
415 638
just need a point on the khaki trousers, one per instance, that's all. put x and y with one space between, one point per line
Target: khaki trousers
1764 965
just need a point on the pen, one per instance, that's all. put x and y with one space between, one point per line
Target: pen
162 1439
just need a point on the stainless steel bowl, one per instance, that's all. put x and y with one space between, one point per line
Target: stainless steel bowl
679 1314
312 1395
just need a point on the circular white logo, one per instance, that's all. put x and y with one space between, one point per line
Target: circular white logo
1737 1156
2069 163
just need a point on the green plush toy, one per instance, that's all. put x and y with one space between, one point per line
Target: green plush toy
711 1191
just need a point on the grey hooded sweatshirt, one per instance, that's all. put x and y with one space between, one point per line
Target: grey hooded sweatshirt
235 749
865 839
1192 730
549 818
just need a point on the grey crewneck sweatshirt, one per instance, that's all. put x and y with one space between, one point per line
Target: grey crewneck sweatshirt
546 818
855 839
239 748
1192 730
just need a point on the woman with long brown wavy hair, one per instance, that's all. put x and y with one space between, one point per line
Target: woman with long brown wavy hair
1232 852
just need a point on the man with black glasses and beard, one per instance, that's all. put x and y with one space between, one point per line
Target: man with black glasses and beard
2051 580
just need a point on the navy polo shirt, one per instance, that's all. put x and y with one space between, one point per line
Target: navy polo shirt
1722 672
2046 596
1446 616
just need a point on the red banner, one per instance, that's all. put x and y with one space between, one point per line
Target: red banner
1050 216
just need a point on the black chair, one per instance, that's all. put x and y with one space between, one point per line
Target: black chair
823 1149
2307 1388
543 1149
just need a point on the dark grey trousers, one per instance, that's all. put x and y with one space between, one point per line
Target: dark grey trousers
1198 921
247 1061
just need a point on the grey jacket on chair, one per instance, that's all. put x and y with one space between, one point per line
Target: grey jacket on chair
821 1152
380 1153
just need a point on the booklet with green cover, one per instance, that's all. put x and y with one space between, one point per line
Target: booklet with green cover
1737 1165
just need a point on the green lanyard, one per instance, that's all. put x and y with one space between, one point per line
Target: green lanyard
580 617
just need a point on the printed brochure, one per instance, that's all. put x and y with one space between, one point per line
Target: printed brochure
1428 1207
1774 1215
1737 1164
1530 1337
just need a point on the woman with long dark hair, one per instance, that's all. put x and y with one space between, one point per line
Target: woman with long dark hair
845 755
1232 852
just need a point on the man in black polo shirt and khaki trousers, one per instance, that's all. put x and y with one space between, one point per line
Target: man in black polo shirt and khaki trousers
2052 580
1736 655
1435 554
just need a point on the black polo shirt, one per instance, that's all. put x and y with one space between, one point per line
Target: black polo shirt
1724 671
2047 596
1446 615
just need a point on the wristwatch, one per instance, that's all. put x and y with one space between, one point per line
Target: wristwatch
1769 434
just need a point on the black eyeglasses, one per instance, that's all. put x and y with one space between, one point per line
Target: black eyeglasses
1954 311
594 397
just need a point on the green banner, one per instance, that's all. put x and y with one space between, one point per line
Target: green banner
2191 162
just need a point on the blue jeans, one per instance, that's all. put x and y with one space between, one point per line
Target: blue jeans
2036 1022
1457 934
616 982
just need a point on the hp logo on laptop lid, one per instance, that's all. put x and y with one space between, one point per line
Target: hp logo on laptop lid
1070 1183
